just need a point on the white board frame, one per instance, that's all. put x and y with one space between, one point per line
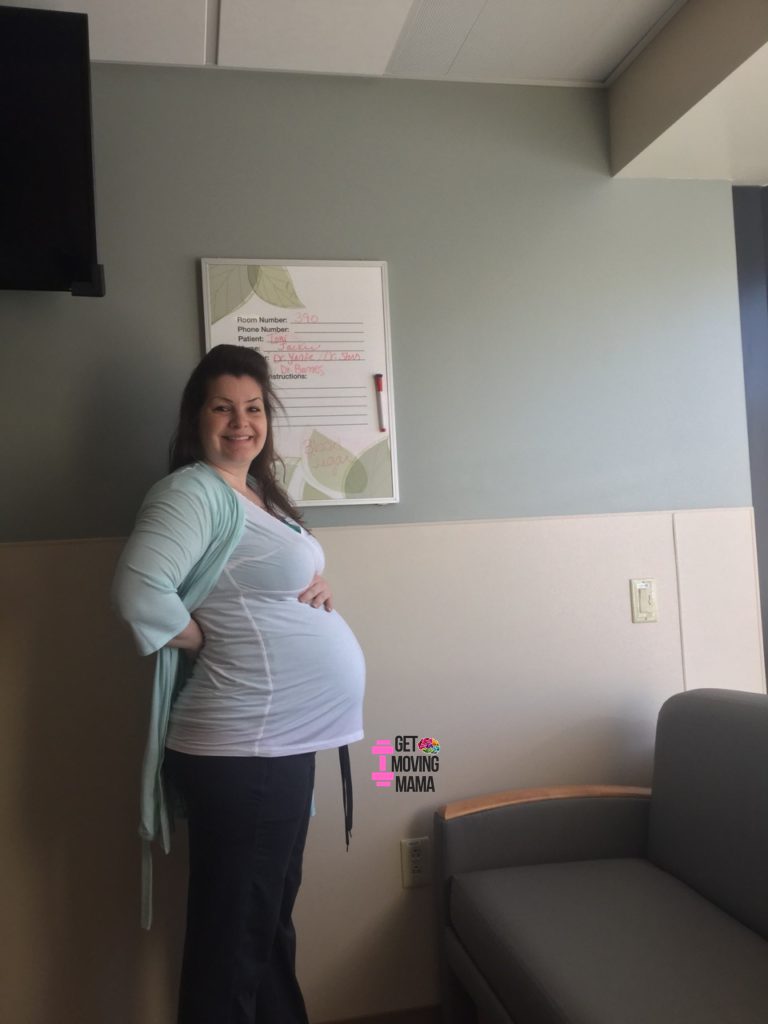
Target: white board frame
206 263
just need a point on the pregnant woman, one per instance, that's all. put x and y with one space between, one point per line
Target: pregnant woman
220 568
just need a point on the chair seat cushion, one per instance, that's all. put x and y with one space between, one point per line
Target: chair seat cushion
608 942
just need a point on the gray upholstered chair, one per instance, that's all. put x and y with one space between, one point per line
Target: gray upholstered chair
609 905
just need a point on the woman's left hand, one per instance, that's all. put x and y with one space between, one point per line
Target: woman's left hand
318 594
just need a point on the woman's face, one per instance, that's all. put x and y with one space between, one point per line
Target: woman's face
233 422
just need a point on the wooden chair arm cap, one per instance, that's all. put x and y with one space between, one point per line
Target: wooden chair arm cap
490 801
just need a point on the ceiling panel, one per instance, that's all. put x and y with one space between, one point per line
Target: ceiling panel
352 37
139 31
433 34
554 40
465 40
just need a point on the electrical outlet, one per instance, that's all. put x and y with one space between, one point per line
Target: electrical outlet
416 862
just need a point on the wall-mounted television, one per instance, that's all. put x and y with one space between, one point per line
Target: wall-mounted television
47 212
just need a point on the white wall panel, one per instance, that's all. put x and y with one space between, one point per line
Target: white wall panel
510 641
719 599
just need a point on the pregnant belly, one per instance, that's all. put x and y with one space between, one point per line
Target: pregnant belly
290 680
286 643
315 647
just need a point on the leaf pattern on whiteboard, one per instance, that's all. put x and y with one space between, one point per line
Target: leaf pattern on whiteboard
327 461
230 288
311 493
284 473
274 285
370 475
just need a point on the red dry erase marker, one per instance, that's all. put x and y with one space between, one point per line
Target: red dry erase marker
378 379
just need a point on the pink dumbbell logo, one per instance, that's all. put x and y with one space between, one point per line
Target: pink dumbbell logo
381 749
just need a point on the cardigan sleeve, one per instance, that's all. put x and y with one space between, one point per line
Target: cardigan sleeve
173 530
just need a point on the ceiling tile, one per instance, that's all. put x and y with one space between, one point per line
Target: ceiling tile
139 31
433 34
339 36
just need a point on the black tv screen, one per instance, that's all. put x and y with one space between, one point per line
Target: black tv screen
47 215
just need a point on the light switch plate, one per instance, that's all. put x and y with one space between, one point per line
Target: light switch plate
644 600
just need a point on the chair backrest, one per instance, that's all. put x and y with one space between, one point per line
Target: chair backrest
708 822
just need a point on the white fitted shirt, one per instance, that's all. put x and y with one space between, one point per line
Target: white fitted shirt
275 676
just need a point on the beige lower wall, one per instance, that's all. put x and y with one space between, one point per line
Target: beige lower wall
509 641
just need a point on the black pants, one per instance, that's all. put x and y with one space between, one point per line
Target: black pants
248 820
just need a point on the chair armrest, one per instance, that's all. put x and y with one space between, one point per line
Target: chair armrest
540 826
489 801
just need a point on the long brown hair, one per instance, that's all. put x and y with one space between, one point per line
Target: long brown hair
234 361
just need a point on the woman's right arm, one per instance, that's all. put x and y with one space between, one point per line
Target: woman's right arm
172 532
191 638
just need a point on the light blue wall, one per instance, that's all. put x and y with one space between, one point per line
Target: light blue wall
563 342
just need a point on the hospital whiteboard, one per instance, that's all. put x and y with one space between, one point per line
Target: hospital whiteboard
324 329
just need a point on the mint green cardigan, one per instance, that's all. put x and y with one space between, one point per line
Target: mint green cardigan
186 530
